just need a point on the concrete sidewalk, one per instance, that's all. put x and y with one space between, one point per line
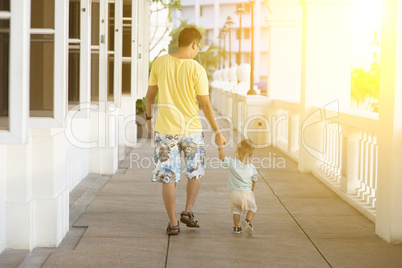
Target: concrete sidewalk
120 221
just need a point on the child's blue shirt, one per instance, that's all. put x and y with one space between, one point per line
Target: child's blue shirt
241 176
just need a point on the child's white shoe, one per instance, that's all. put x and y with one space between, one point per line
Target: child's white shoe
249 227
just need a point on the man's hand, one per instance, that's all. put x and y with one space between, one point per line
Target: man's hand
205 105
221 154
148 125
220 140
150 100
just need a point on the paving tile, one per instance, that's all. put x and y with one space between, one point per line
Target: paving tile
11 258
305 189
221 226
37 257
124 224
127 204
360 253
336 226
80 189
318 206
130 188
241 251
112 252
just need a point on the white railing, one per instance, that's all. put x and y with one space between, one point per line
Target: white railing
286 130
349 158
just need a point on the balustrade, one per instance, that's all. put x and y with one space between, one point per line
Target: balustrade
348 159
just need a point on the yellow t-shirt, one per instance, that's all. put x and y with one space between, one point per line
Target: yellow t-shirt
178 81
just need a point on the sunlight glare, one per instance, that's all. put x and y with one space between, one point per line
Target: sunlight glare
366 20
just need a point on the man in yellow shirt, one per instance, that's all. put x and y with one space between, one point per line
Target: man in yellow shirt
182 84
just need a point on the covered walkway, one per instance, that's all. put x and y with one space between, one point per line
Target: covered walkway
120 221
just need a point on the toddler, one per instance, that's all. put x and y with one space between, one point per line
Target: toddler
242 178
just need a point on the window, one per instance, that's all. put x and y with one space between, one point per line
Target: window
127 51
42 59
4 67
247 8
238 34
246 34
110 52
74 53
238 58
95 36
14 93
48 61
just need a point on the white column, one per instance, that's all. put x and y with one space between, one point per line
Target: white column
77 146
325 74
3 168
49 186
389 198
134 49
127 125
284 54
284 59
257 39
197 13
19 211
350 182
103 47
216 21
118 48
85 52
104 158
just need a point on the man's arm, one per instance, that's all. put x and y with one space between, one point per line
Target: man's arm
149 101
206 107
252 187
221 154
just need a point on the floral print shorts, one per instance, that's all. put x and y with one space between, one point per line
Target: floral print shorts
167 157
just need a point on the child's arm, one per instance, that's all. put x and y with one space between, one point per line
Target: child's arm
221 154
252 187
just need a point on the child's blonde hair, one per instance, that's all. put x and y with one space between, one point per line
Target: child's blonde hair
246 147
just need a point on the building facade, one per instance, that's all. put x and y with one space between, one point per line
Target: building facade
71 71
159 30
307 113
212 15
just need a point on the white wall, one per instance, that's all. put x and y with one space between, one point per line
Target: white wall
38 176
284 71
3 165
77 156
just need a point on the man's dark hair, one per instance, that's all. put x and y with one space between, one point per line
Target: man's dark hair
189 35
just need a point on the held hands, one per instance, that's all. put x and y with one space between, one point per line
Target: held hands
221 154
220 140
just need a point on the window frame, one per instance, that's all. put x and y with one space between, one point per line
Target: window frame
142 56
60 70
18 87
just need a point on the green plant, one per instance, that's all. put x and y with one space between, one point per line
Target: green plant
365 88
208 59
140 106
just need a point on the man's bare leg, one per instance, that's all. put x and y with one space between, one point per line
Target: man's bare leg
169 198
192 190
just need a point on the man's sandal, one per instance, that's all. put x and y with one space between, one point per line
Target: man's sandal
188 219
173 230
